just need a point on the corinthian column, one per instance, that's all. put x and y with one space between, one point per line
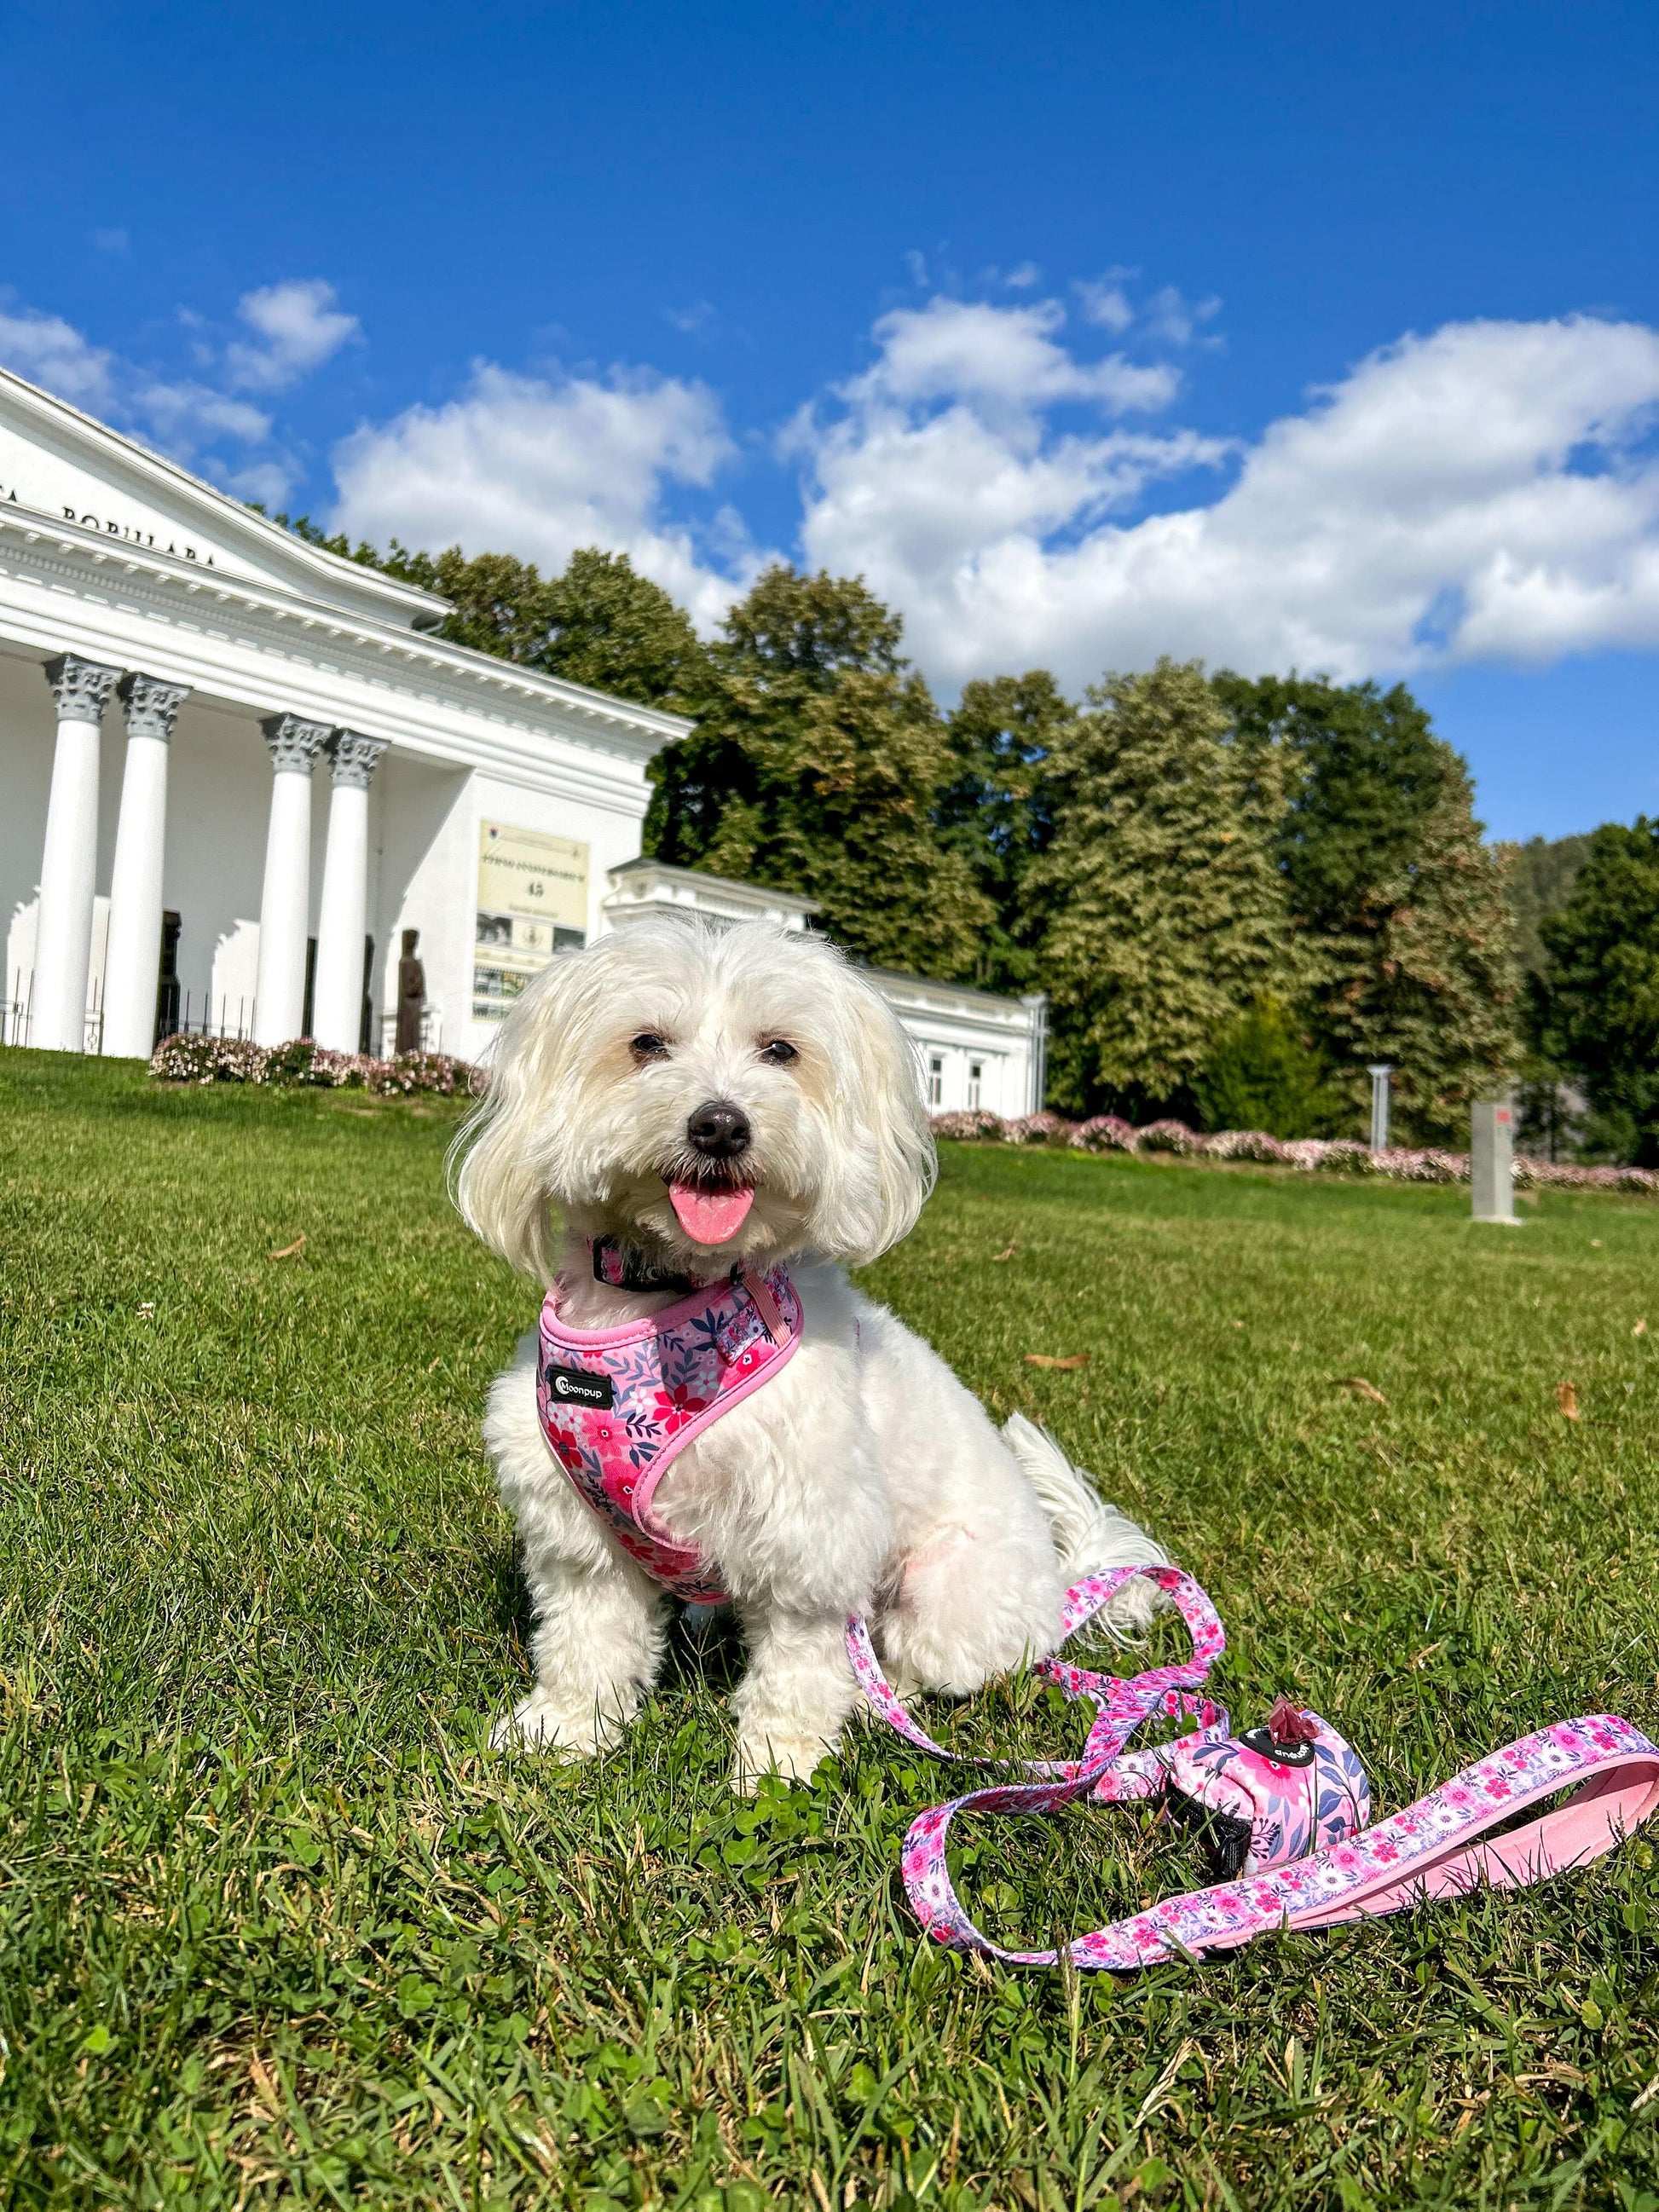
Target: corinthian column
134 958
68 865
342 916
279 991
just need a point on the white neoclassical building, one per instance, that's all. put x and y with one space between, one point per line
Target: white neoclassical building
234 769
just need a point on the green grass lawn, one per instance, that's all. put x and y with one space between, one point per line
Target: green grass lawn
278 1929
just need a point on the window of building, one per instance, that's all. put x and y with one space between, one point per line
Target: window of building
935 1079
975 1070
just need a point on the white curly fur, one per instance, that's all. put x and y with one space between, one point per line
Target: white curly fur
863 1477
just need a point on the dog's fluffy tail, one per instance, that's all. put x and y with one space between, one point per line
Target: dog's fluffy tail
1089 1535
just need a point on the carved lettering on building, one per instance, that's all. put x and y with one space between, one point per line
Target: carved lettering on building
131 533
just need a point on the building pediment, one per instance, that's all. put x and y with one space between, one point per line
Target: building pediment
90 481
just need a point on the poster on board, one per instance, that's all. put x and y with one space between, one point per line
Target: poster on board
532 902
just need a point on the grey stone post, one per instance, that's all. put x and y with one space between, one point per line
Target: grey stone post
1492 1181
1036 1004
1379 1072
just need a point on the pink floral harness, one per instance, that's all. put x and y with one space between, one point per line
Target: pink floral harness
617 1405
1283 1808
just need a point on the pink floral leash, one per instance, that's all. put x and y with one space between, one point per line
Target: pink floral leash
1270 1795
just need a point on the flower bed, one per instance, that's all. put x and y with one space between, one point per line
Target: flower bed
300 1063
1106 1133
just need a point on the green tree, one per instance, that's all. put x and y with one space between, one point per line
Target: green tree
791 639
1163 914
1260 1074
997 808
1403 906
850 825
1538 876
599 622
797 635
816 765
1598 1000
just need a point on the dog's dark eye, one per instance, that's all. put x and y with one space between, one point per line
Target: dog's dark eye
647 1045
778 1051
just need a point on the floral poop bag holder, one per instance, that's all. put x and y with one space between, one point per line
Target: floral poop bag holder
1282 1810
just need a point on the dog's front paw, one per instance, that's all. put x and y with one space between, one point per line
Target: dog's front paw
776 1751
543 1721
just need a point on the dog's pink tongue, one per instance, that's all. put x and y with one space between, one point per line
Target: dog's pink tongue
709 1216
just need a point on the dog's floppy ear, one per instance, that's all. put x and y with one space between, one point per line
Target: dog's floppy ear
505 1157
880 1124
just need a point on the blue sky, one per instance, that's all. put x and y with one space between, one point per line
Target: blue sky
1085 331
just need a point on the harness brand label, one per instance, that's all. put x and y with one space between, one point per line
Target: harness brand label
575 1386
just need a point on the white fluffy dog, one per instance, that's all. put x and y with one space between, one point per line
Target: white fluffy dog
753 1087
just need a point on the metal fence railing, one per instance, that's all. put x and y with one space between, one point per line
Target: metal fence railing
224 1017
176 1016
17 1015
432 1032
183 1014
16 1010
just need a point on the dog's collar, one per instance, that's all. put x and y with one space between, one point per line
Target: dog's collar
625 1268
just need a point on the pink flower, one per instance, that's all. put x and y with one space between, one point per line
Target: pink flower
676 1406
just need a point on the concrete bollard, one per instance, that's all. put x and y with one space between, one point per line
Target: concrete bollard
1491 1152
1379 1072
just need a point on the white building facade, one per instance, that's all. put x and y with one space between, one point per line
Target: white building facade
234 769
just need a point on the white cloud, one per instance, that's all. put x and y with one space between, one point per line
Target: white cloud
183 414
1486 491
1105 303
1171 320
47 350
1005 357
540 466
183 417
298 327
268 482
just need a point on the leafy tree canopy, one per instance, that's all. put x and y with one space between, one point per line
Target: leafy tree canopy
1165 914
598 623
997 808
1600 997
1404 906
814 766
1372 771
1260 1074
1538 879
795 634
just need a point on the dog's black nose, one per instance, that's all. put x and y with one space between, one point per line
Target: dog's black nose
718 1130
